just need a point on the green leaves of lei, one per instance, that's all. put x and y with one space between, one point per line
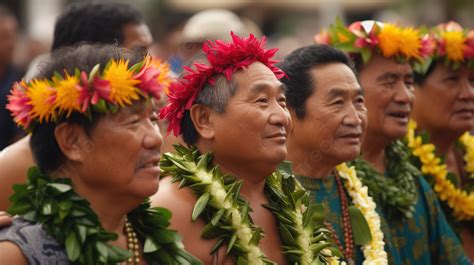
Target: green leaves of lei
69 219
227 213
301 223
395 192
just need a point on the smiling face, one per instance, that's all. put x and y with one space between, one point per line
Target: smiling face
253 128
445 100
388 89
335 117
123 152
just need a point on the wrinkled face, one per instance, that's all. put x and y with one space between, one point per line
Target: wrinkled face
255 123
8 33
137 36
335 119
445 101
124 152
388 89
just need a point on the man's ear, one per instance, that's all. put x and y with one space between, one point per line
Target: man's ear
201 116
72 140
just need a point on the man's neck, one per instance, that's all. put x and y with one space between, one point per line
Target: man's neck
111 215
305 163
373 150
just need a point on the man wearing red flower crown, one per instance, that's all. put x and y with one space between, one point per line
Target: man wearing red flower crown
383 53
444 111
223 189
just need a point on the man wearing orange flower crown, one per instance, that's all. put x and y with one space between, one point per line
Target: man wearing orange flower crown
444 111
126 27
95 139
383 53
326 104
225 193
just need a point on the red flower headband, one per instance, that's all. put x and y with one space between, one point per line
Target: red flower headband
224 58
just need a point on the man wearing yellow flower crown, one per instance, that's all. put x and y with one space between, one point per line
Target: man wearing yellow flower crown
96 142
84 21
383 53
223 189
444 114
329 118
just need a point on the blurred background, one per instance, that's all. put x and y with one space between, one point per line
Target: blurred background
287 23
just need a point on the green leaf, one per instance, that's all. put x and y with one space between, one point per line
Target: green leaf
73 248
200 206
59 188
217 216
218 245
360 227
231 243
150 245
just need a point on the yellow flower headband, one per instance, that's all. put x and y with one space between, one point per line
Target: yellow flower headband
367 37
43 100
451 44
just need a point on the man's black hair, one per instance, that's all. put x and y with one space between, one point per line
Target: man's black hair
299 81
96 22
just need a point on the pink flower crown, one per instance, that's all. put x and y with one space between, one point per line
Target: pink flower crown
366 37
43 100
451 44
224 58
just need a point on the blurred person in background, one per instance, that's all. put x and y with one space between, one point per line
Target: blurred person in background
444 111
94 22
9 74
211 24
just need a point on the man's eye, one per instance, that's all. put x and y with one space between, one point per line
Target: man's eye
262 100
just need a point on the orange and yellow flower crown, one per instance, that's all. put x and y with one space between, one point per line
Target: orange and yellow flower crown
117 85
405 44
450 44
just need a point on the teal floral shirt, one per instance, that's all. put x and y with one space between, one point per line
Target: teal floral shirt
325 191
424 239
427 238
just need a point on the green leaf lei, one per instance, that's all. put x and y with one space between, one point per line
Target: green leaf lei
227 213
301 222
69 219
396 192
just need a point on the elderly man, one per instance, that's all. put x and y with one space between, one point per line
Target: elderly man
126 26
96 142
235 94
326 104
383 53
445 110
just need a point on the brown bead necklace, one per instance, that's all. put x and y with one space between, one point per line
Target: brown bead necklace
346 224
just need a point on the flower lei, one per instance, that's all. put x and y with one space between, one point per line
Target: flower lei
223 58
43 100
404 44
69 219
460 201
305 240
396 193
374 252
451 44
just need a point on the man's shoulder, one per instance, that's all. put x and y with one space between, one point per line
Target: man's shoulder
35 244
170 195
